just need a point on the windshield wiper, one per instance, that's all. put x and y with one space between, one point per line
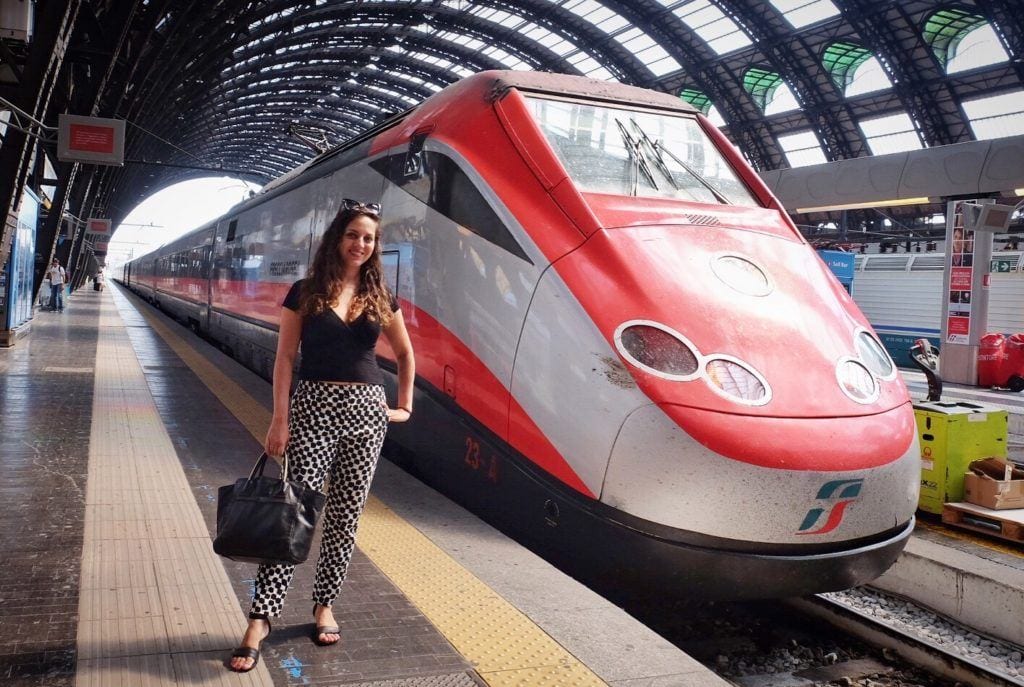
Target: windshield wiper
722 198
644 139
658 148
637 157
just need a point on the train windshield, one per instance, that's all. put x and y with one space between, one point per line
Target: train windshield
638 153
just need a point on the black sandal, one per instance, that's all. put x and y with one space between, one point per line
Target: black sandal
248 651
324 630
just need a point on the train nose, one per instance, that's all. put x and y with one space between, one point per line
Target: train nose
734 322
769 480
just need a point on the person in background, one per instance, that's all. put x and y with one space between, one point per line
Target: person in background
57 277
334 423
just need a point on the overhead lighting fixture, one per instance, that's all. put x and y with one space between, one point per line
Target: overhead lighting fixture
869 204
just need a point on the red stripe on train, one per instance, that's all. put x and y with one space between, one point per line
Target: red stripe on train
482 395
479 393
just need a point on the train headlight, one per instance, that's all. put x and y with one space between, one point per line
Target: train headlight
665 353
856 381
874 357
733 379
657 349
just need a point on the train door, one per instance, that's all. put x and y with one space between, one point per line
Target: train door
219 275
472 277
204 276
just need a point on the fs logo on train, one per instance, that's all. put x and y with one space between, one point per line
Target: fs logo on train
838 494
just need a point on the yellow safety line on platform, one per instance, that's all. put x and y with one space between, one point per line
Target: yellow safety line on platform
506 647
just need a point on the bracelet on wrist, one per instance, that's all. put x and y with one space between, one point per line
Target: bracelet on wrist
408 410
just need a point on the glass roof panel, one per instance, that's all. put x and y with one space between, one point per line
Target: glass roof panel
389 92
634 39
891 134
782 100
761 84
802 13
946 28
597 14
802 149
507 59
719 31
664 65
869 77
715 117
978 48
648 51
551 41
589 66
696 98
504 18
842 59
538 34
996 116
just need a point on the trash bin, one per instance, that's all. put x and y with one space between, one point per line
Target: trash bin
1001 361
1015 362
991 360
952 435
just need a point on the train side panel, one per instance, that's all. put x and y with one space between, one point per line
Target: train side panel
263 248
182 270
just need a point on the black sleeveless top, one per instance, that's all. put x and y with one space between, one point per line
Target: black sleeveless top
334 350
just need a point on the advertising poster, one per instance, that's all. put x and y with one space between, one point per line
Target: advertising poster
961 257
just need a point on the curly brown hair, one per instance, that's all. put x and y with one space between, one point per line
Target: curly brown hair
324 278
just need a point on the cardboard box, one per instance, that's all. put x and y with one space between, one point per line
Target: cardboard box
994 483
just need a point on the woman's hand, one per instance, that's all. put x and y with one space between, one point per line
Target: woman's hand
398 414
277 438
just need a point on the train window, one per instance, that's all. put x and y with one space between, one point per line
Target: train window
390 260
638 153
232 227
441 184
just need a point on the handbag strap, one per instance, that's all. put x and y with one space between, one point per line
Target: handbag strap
261 463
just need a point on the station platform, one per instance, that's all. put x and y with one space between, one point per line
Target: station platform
975 580
118 427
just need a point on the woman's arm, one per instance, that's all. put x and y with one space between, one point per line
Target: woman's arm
398 337
288 336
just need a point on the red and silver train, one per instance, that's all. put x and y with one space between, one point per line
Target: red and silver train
627 356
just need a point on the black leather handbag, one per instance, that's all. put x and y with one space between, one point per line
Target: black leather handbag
266 520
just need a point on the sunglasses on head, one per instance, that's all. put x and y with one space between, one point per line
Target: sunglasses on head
349 204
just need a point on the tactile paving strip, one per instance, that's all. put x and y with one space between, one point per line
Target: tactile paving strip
459 680
144 620
506 647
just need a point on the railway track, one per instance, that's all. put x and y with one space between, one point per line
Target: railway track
904 647
817 641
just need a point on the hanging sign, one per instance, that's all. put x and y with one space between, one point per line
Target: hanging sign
90 139
98 226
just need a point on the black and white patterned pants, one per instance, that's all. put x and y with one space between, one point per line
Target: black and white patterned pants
335 430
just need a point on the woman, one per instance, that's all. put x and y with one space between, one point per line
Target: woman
339 413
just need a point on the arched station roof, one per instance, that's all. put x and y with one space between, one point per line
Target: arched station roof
224 84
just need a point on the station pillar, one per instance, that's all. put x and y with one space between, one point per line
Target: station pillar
970 226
